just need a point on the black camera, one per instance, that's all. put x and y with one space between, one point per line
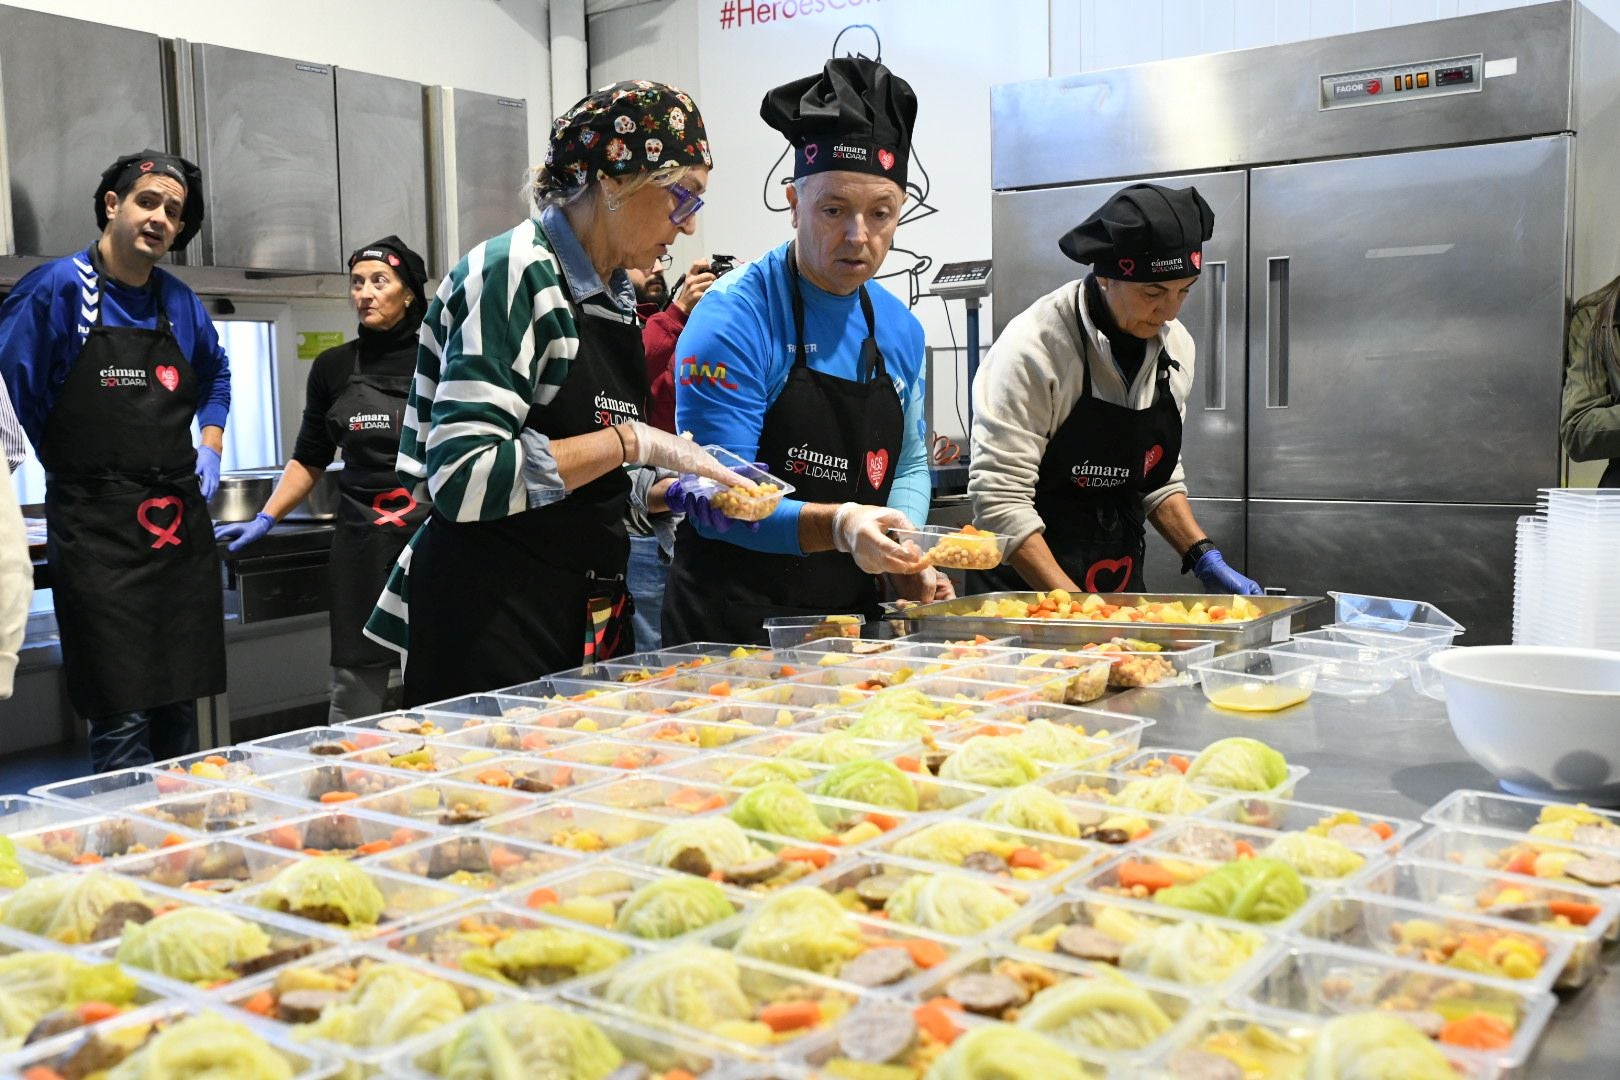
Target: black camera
720 265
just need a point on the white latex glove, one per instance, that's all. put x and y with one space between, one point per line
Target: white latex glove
647 445
862 532
925 586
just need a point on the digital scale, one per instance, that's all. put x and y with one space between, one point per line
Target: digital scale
968 282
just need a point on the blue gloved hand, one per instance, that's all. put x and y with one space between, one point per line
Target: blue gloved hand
208 471
243 533
683 500
1211 569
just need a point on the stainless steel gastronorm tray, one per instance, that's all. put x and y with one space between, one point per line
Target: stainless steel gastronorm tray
1281 617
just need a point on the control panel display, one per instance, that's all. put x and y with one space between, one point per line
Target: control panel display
1399 82
962 279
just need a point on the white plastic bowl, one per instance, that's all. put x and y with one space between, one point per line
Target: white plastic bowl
1545 720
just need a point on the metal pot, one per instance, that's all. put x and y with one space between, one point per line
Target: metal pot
242 494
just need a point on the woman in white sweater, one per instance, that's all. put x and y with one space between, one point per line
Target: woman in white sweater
1078 409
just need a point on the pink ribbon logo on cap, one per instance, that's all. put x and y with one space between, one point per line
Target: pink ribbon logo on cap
166 534
1127 267
810 152
390 509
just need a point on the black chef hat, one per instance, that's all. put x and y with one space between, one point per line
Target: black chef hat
391 250
856 116
122 175
1144 233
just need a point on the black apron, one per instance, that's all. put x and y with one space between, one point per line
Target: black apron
1611 475
836 440
1097 467
134 569
495 603
376 516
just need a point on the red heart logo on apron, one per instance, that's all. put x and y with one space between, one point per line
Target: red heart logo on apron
1123 566
168 375
165 533
391 506
886 160
1197 258
1154 456
877 466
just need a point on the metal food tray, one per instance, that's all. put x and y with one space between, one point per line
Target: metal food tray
1280 618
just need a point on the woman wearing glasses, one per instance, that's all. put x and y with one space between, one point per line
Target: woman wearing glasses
525 422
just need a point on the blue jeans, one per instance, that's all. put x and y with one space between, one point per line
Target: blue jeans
645 580
144 736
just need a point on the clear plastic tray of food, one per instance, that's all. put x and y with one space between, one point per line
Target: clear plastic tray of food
1354 828
745 860
1588 919
332 783
359 745
338 832
1168 793
644 903
531 776
1342 671
88 841
1485 1019
761 716
572 826
427 756
1255 891
945 902
742 770
307 898
232 764
348 1001
52 989
137 1043
212 866
855 681
693 735
792 631
1576 824
1088 675
1049 745
817 742
513 949
194 947
1162 761
1419 640
896 781
657 796
1258 681
1478 945
610 675
995 851
794 694
844 649
753 502
416 723
1052 682
622 754
1036 810
1323 860
746 1006
1389 614
1379 647
1185 948
228 810
475 861
445 802
1527 856
1134 662
886 1038
957 685
768 667
113 791
507 708
506 738
966 548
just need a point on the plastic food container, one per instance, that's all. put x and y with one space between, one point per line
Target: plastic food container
1155 762
972 696
1426 678
1107 789
592 896
287 940
795 694
508 708
1419 639
658 796
1221 842
505 738
869 1031
429 757
1051 680
849 648
1343 671
774 743
1114 828
718 770
338 832
417 723
358 745
761 716
1353 828
739 503
1588 919
1512 813
232 764
406 900
1388 614
1029 858
1325 981
782 862
111 792
929 954
1120 922
474 861
854 883
1130 667
206 866
88 841
791 631
956 549
669 737
1257 681
1101 750
1518 952
587 830
1509 853
332 783
1184 870
445 803
303 1062
621 755
533 777
610 675
441 941
1088 675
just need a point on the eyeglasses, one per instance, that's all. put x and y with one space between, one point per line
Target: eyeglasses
687 203
664 262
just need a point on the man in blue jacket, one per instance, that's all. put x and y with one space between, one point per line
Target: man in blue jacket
108 361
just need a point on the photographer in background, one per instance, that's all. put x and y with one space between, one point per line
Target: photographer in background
662 320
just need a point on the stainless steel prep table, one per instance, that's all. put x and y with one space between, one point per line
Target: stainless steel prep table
1393 753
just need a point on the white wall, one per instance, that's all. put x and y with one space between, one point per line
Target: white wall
492 46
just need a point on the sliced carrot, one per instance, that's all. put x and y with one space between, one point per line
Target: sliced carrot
1149 875
562 776
1141 834
365 740
787 672
373 848
626 760
1382 829
721 689
338 796
261 1004
925 953
713 802
678 1074
814 856
1026 858
883 821
88 858
502 859
40 1072
401 837
349 745
542 898
1477 1031
716 876
980 639
1577 913
314 851
94 1012
907 763
791 1015
494 777
535 740
215 759
1179 763
685 797
1522 863
285 836
936 1021
1244 849
171 840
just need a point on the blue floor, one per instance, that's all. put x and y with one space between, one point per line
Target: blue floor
31 768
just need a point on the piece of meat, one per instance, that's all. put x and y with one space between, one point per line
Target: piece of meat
334 832
878 1034
986 995
875 891
326 749
1111 836
305 1006
1203 1065
273 958
55 1022
454 856
934 762
691 861
93 1057
1089 817
986 862
540 974
111 923
530 783
752 873
1600 836
324 780
322 913
463 815
401 725
878 967
1532 911
1089 943
1600 871
1202 842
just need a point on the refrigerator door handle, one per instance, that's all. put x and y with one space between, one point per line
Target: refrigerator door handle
1215 369
1277 332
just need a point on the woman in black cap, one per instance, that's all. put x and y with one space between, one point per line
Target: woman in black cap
1079 405
354 401
794 362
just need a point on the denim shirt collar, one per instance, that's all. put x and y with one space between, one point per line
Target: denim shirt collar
583 280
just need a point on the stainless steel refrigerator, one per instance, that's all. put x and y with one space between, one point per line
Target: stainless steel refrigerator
1402 219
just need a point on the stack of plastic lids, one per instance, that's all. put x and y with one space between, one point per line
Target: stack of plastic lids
1392 622
1567 580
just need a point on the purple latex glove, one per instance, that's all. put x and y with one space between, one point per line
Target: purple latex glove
243 533
207 471
1211 569
682 500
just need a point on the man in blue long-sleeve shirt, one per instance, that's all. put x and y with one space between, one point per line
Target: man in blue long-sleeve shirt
795 363
108 361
